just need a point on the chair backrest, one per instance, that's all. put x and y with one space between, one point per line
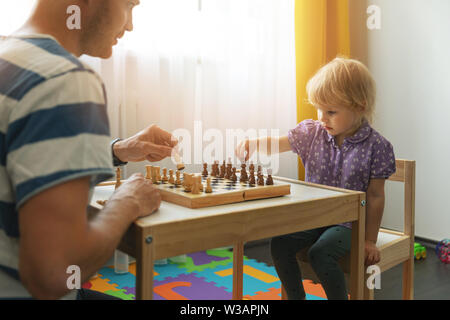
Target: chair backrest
406 173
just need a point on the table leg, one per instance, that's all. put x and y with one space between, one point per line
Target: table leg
357 254
238 270
144 269
283 293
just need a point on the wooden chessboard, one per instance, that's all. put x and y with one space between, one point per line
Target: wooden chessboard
224 192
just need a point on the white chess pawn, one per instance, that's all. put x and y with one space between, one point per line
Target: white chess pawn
165 178
208 185
158 174
178 180
148 172
171 179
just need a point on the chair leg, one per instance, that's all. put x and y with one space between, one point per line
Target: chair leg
408 279
238 270
368 293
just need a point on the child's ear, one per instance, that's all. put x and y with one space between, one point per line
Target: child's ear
361 109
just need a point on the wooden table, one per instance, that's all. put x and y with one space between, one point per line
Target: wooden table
174 230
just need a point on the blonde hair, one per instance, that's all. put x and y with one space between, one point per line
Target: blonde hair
344 82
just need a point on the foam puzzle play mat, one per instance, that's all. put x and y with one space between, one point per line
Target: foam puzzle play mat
205 275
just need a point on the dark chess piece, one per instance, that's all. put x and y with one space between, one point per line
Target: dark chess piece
205 170
260 180
228 172
269 180
244 176
222 170
233 175
216 168
251 181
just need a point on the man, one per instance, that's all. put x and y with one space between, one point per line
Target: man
55 147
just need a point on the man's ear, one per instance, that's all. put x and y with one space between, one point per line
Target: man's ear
87 3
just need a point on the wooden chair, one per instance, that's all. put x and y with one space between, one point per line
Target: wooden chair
395 246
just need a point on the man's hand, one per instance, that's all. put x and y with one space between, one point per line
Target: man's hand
56 231
138 191
372 253
152 144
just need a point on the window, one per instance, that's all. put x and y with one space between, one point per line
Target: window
13 14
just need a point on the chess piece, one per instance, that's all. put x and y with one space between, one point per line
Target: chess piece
196 181
269 180
171 179
153 173
222 170
208 185
165 178
185 179
213 166
233 175
200 183
205 170
251 180
187 182
148 172
178 159
251 167
215 169
177 181
244 176
260 179
229 168
118 178
158 174
102 202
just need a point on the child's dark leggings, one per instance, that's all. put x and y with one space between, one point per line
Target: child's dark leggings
327 246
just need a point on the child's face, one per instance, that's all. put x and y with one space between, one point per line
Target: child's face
340 122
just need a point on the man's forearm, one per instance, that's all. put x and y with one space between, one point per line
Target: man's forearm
374 215
105 230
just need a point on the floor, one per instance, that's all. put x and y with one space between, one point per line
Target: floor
431 276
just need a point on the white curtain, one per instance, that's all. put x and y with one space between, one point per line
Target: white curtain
211 71
13 14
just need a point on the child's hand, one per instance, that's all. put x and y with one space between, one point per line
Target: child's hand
245 149
372 253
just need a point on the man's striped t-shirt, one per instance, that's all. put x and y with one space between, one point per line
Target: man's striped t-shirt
53 129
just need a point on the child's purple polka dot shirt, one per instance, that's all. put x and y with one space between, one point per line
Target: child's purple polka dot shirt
365 155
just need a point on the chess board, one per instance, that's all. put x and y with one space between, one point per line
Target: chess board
224 192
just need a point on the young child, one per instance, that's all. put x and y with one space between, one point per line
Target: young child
340 149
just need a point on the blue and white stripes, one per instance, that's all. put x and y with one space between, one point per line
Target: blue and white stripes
53 127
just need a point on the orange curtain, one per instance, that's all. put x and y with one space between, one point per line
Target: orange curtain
321 33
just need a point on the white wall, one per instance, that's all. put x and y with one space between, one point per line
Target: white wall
410 60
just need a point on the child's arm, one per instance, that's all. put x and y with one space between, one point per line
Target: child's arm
374 214
247 147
